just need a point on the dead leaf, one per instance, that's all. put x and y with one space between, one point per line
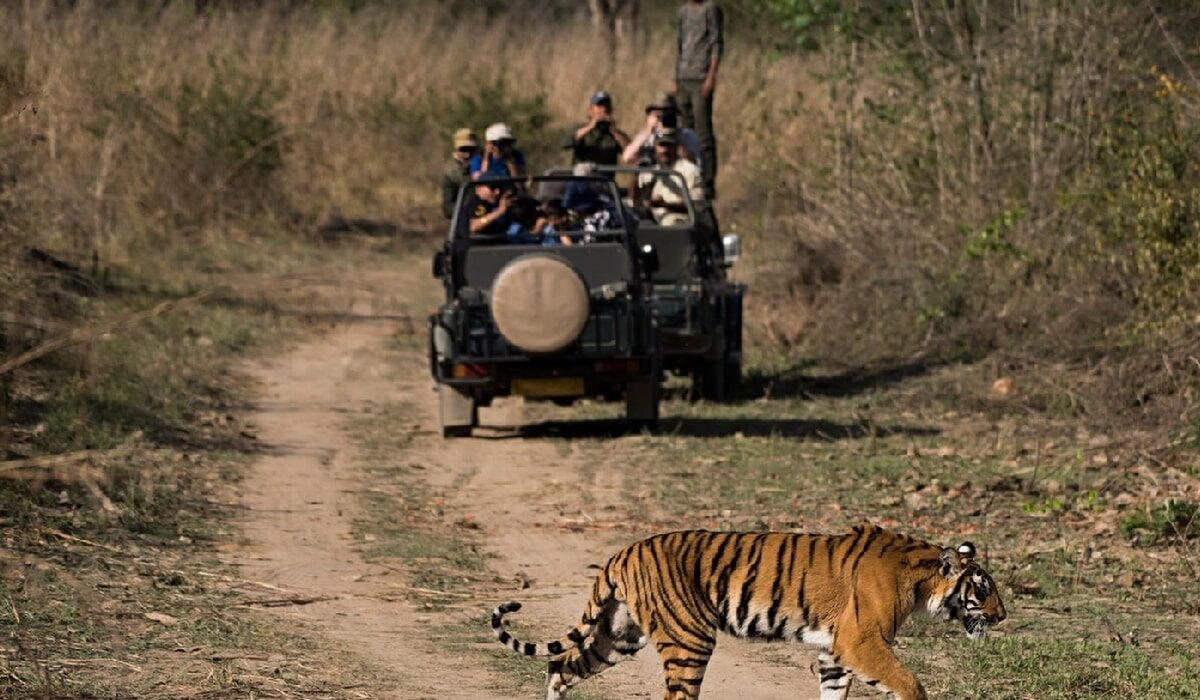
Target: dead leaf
161 618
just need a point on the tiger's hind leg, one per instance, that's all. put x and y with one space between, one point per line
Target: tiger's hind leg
616 638
835 678
685 658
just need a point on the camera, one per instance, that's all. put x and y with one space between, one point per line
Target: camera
603 125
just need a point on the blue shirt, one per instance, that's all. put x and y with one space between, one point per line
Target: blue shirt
497 166
500 225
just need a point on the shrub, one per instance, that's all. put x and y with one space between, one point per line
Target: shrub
1174 519
228 124
441 112
1144 192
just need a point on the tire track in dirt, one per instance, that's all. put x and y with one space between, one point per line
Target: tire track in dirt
301 500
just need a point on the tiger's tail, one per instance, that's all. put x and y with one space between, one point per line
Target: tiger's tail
601 592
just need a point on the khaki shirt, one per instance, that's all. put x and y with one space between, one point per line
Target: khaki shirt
668 190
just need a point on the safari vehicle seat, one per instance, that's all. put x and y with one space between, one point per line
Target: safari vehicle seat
675 248
597 263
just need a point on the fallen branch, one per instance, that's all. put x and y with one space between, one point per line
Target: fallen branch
82 335
282 602
80 540
46 461
40 324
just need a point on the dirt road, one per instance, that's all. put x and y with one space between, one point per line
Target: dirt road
303 496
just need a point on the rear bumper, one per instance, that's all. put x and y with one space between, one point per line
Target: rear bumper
593 374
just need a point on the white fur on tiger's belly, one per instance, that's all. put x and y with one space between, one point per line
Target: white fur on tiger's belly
821 638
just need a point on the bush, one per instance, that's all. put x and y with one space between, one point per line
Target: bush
441 112
1172 520
229 121
1144 192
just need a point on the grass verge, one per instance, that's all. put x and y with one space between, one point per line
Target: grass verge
111 583
1072 524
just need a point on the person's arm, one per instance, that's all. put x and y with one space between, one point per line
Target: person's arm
516 164
695 185
678 50
621 137
630 154
634 147
583 130
479 223
449 195
485 162
716 25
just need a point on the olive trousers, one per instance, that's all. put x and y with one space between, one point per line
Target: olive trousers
695 111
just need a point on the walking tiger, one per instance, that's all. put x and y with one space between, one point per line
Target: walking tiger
847 594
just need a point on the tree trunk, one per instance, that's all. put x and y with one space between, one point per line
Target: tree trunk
615 22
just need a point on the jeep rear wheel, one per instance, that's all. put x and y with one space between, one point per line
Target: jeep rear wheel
716 380
641 404
457 412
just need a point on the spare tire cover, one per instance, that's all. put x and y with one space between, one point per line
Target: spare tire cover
539 303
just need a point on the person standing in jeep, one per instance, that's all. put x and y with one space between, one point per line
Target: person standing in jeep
701 41
598 141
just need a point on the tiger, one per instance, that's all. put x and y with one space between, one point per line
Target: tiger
845 593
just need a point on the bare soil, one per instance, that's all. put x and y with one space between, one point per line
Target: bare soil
302 499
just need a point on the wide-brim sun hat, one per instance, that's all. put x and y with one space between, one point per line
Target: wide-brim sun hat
465 138
663 100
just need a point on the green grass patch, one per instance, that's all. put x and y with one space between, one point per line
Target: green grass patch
1013 668
401 516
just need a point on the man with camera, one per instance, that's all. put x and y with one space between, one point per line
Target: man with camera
491 211
598 141
661 114
500 156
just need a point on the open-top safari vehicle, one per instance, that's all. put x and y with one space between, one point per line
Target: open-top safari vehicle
547 298
699 307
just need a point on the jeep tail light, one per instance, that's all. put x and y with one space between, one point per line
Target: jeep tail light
618 366
461 370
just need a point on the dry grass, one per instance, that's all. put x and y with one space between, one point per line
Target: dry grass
360 100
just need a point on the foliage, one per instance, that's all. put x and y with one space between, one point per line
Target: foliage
1144 192
228 118
806 25
441 112
1171 520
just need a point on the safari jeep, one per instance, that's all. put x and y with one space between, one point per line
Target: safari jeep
699 308
548 317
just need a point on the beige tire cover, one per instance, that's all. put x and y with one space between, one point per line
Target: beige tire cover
539 303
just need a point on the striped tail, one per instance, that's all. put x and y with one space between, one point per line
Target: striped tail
572 639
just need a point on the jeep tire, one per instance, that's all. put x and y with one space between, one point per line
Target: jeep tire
457 412
641 403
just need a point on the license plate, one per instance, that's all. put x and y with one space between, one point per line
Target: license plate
553 386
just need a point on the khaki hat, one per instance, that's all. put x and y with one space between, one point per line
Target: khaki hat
499 132
663 100
465 138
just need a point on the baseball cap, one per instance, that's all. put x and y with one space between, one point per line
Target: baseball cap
666 135
663 100
465 138
601 97
499 132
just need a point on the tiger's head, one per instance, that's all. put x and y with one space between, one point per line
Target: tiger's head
969 595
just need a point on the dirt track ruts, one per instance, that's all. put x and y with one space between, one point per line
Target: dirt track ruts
301 500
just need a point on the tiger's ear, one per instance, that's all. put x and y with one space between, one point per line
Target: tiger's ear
966 550
951 563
